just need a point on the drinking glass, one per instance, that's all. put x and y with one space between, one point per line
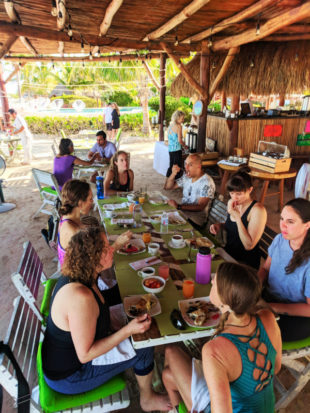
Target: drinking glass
188 288
146 237
141 199
131 208
163 271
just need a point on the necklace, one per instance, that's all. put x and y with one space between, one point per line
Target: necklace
236 325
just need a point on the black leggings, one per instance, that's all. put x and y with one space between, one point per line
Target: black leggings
293 327
175 159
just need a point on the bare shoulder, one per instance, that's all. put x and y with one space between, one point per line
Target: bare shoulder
267 318
130 171
271 326
258 207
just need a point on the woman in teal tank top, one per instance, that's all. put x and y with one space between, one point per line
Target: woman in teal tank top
175 142
239 363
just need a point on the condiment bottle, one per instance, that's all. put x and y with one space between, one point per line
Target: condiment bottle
203 265
99 185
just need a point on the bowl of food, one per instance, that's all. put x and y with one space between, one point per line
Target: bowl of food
153 284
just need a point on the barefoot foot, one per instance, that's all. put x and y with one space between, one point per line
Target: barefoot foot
156 401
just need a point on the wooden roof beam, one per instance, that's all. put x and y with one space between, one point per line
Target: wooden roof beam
7 45
11 12
151 74
229 58
184 14
61 14
116 44
287 38
108 17
16 70
201 92
243 15
285 19
28 45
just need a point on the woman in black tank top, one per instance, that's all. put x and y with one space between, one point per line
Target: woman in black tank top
78 327
119 177
245 222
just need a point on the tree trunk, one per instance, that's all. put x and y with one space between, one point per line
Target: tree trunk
162 102
204 82
4 99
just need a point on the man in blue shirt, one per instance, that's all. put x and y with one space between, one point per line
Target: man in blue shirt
105 148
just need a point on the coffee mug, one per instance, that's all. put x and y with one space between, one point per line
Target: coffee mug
109 213
146 272
131 197
177 240
153 248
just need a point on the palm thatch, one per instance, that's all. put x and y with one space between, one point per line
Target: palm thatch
259 68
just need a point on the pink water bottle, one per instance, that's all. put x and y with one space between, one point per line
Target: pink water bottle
203 265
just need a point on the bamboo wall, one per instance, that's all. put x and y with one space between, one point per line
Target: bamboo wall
218 130
251 131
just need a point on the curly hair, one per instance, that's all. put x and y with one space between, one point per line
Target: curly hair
239 287
302 209
114 168
83 255
72 192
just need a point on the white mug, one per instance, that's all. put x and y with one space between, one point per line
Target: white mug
177 240
146 272
109 213
131 197
153 248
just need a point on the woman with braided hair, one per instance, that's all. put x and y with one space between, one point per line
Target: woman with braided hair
286 271
119 177
238 364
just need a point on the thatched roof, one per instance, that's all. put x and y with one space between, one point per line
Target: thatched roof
279 68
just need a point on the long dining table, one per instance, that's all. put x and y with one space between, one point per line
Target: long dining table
162 330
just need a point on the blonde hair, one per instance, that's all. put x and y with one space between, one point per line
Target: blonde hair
114 168
116 108
176 116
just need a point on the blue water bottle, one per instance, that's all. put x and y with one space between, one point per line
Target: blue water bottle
99 185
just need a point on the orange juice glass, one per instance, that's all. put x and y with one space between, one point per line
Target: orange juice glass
188 288
131 208
163 271
141 199
146 237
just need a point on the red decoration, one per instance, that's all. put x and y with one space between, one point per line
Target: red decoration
272 131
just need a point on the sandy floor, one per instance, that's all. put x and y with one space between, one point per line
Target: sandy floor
18 226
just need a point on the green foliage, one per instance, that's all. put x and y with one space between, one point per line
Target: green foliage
215 106
185 100
172 104
120 97
69 99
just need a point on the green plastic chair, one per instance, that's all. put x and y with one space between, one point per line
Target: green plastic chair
118 138
48 189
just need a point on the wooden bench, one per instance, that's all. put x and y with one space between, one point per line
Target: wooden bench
23 339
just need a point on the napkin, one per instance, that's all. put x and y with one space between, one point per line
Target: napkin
116 206
145 262
124 350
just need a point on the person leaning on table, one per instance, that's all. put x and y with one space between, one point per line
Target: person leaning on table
79 329
104 148
286 271
198 188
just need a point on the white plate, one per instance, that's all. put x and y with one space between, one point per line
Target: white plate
210 321
134 299
175 215
137 242
183 245
196 247
155 221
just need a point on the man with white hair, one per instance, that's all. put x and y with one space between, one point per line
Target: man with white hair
21 128
198 189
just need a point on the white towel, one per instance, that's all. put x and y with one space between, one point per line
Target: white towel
124 350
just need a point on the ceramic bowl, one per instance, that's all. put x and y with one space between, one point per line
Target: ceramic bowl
147 281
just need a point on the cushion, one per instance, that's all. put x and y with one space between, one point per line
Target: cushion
294 345
48 288
182 408
52 401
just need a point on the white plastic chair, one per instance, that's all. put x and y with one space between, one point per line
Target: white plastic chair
48 188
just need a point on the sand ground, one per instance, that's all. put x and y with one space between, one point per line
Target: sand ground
18 226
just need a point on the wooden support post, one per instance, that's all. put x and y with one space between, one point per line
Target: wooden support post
223 100
233 125
162 105
282 100
4 100
204 82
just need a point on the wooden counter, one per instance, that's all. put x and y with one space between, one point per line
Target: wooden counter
246 133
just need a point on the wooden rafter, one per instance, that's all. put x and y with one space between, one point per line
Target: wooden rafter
13 73
28 45
11 12
112 58
116 44
109 14
61 48
288 38
184 71
184 14
229 58
61 14
285 19
7 45
151 74
244 14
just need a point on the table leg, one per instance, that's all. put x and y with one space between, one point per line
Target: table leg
224 181
264 192
281 190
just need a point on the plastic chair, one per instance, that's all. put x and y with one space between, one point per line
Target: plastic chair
299 370
24 338
28 278
48 188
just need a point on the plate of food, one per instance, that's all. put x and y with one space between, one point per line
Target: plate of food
156 198
136 305
136 246
199 312
199 242
155 219
175 218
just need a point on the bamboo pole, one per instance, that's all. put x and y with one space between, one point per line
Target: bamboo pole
229 58
4 100
204 82
7 45
184 14
12 74
28 45
162 104
109 14
151 74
